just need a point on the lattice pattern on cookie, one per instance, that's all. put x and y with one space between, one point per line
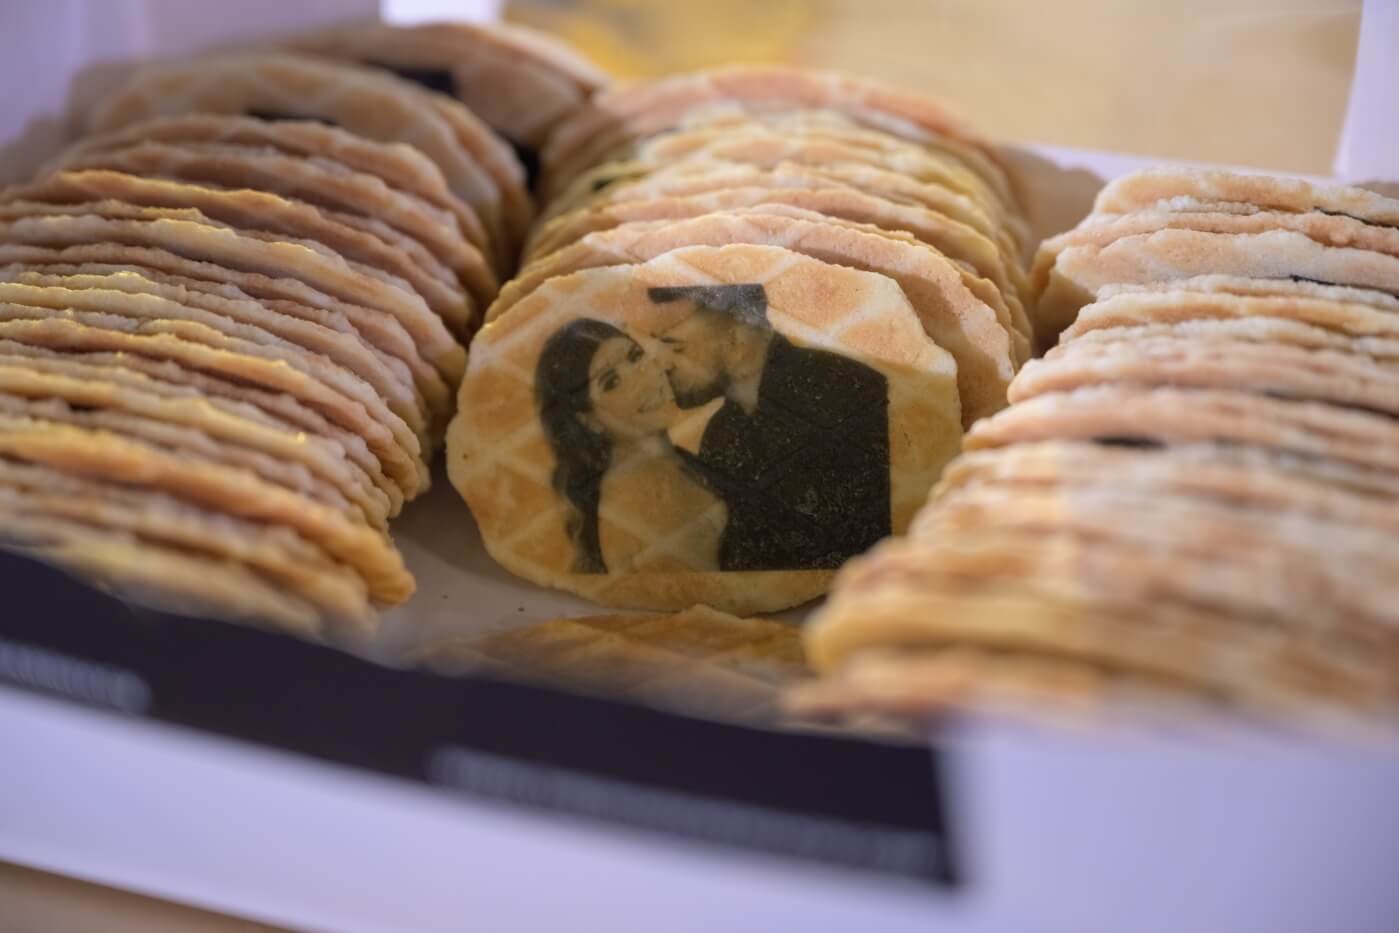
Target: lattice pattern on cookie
501 463
645 109
960 320
697 662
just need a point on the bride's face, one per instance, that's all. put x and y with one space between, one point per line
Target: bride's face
630 394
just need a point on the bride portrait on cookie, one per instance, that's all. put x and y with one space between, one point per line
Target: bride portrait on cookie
712 442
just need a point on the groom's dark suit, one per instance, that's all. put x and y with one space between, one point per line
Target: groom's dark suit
806 474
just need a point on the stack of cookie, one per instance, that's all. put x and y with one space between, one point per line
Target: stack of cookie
759 308
1194 491
521 82
233 320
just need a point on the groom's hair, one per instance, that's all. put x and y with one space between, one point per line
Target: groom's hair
747 304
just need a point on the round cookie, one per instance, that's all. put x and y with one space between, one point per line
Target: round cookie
119 459
1122 308
303 464
1080 271
1160 186
906 596
188 233
642 183
950 237
381 332
478 167
955 318
765 151
168 380
163 578
755 144
1325 229
195 347
383 176
1169 415
673 432
259 210
279 554
1242 477
344 346
1246 286
1350 380
242 332
646 109
520 93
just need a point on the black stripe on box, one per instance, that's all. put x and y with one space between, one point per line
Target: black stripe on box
844 801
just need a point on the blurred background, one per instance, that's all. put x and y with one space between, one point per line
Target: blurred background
1258 83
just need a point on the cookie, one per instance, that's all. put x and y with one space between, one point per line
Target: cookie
160 577
644 110
835 126
240 332
672 432
1200 551
953 239
686 180
1008 310
279 554
755 145
392 179
194 347
300 462
478 167
1381 350
920 684
950 314
1245 286
1160 186
901 596
698 662
1350 380
1169 415
167 379
1325 229
1122 308
520 92
259 210
188 233
767 151
1079 272
387 375
101 454
1239 476
384 335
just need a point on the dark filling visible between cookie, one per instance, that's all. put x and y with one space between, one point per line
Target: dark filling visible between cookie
444 81
1125 440
1373 223
1368 288
529 158
276 116
440 80
1287 395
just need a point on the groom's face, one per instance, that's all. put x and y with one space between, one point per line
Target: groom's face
694 348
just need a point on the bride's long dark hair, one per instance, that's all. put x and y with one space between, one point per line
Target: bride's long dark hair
582 454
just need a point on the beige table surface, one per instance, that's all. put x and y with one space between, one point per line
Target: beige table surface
1250 82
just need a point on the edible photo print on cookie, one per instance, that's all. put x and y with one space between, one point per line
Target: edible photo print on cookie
781 451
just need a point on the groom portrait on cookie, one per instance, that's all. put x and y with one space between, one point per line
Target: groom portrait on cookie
798 445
